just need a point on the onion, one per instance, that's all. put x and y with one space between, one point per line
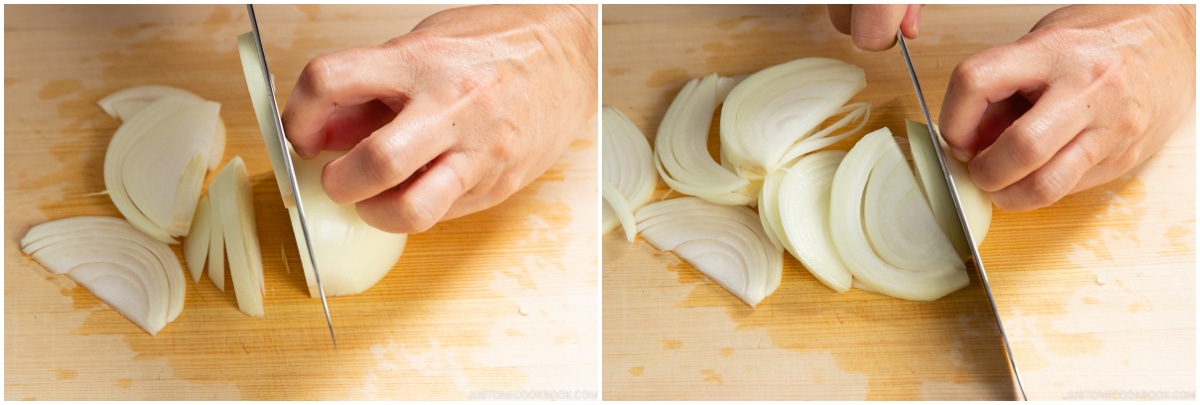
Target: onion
681 145
803 216
351 255
847 208
133 273
771 117
195 245
627 169
726 243
126 103
233 206
976 203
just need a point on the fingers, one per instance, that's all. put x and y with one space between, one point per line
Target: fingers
344 78
873 27
979 81
839 15
388 156
1067 170
348 126
419 204
911 21
1030 142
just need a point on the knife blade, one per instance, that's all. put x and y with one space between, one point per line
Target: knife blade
962 220
282 162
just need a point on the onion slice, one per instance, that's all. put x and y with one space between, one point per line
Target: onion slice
628 168
726 243
681 145
851 240
770 114
195 245
133 273
976 203
234 202
806 230
125 104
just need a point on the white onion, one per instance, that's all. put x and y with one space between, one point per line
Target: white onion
133 273
628 168
681 145
804 191
976 203
195 245
726 243
851 240
772 116
233 204
126 103
256 82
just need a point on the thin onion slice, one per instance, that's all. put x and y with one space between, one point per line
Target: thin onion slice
216 242
628 168
133 273
976 203
805 192
256 82
125 104
681 145
768 115
231 192
726 243
620 208
851 240
195 245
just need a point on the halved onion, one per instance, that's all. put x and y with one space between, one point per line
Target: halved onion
803 205
772 117
627 168
726 243
976 203
851 237
681 145
133 273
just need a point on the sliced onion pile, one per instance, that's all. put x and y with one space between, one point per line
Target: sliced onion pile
133 273
233 209
724 242
628 178
800 200
156 161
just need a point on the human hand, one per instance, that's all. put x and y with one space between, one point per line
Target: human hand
873 26
452 118
1088 94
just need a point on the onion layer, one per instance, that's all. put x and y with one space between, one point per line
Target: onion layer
627 169
681 145
804 222
976 203
726 243
234 207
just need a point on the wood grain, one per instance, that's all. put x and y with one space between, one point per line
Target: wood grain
506 299
1097 292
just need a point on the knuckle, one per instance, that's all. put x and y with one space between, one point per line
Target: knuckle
1044 188
318 74
417 213
382 163
969 75
1026 148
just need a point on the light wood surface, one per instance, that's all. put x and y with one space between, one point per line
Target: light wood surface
1097 292
504 300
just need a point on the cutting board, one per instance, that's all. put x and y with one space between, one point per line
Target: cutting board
503 302
1097 292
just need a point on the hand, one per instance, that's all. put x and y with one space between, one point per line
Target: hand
451 118
1089 93
873 26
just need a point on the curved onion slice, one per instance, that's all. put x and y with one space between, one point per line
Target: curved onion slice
136 275
155 164
125 104
681 145
628 168
898 222
726 243
771 117
620 208
195 245
352 256
806 231
976 203
233 204
851 240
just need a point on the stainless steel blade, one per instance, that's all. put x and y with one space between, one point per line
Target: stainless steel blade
291 171
958 208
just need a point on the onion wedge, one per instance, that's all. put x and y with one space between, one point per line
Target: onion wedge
125 104
681 145
806 230
628 169
976 203
726 243
195 245
133 273
231 194
851 237
772 116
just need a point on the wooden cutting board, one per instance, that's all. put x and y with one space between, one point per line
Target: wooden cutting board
1097 292
502 302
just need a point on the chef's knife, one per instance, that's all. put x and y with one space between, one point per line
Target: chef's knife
272 130
933 132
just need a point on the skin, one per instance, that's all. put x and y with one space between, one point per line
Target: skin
1090 93
452 118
